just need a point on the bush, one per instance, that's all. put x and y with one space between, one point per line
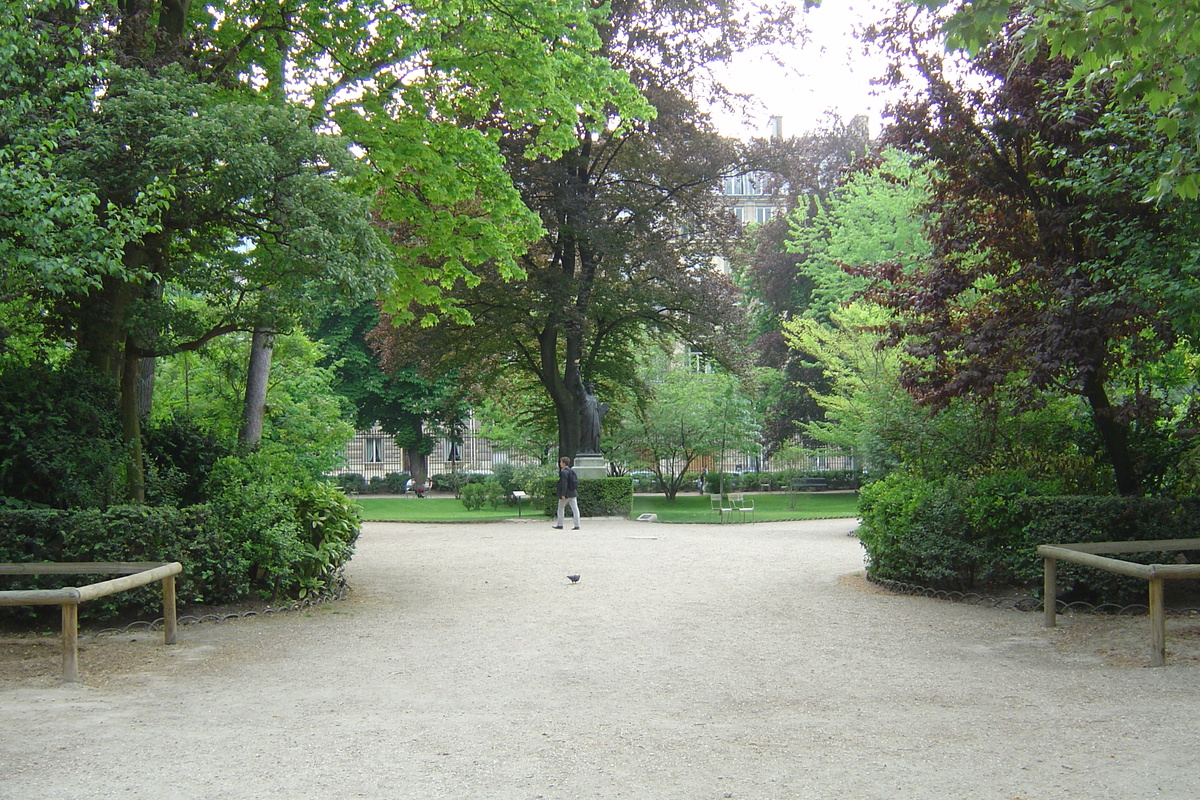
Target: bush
537 481
180 454
494 494
213 570
330 523
600 497
473 496
351 483
476 495
395 482
973 533
505 474
62 445
260 499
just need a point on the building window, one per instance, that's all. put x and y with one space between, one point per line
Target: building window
743 185
373 451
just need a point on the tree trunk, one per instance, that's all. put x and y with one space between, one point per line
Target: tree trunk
131 428
1114 434
566 403
418 459
145 386
257 375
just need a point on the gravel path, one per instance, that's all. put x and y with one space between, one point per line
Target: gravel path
689 662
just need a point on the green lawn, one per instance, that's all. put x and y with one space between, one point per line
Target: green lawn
767 506
686 508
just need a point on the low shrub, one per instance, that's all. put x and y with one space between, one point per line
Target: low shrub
329 524
505 474
473 496
351 483
180 454
599 497
395 482
264 501
982 533
213 570
62 445
494 494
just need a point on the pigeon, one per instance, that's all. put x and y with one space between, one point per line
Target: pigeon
573 578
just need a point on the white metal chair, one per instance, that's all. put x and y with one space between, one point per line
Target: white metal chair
743 504
721 505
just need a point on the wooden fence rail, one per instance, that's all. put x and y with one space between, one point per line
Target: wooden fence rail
1089 555
134 574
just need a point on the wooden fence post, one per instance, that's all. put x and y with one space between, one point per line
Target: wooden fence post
169 619
70 642
1158 624
1050 591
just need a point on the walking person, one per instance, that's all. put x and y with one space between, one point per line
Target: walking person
568 492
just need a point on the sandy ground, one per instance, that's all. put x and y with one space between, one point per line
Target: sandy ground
689 662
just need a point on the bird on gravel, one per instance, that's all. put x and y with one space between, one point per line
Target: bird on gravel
573 578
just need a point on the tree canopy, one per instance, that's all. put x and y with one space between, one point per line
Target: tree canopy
1041 274
631 224
178 171
1147 52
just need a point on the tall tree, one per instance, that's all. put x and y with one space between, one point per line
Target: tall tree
406 405
195 138
631 224
1038 241
801 173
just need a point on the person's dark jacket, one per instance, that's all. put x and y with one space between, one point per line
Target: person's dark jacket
568 483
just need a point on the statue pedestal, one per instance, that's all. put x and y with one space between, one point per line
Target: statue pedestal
590 467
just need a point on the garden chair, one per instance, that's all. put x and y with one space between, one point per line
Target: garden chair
743 504
721 506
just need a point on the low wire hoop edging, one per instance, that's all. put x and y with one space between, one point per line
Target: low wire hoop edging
1028 604
193 619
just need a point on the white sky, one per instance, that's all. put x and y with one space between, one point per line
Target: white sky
829 73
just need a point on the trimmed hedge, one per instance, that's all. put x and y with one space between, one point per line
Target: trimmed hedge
353 483
300 542
598 497
983 533
213 569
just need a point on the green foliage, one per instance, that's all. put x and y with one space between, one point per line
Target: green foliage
691 415
490 493
214 571
305 417
289 528
62 442
518 418
539 482
983 533
329 525
598 497
875 215
505 474
473 496
180 455
495 494
351 483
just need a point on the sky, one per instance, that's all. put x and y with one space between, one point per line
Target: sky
829 73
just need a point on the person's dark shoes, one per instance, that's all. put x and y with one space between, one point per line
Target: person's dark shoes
575 528
557 527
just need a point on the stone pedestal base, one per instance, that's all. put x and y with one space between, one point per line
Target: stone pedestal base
590 467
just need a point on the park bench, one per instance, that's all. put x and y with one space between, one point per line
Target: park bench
809 484
133 575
